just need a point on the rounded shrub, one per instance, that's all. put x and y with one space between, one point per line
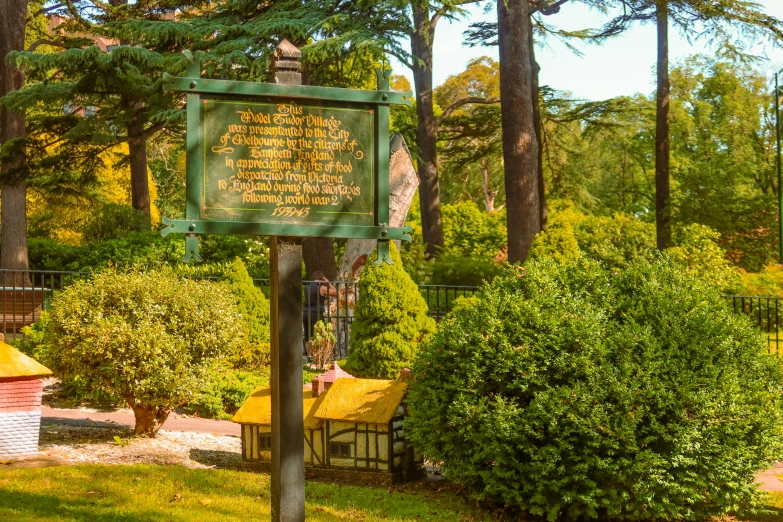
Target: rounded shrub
254 308
149 338
114 221
567 392
390 320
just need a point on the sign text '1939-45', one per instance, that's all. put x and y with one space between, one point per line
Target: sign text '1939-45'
287 163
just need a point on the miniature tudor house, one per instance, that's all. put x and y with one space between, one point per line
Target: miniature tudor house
21 390
353 429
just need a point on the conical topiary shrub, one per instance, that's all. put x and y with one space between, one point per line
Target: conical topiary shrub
390 320
254 308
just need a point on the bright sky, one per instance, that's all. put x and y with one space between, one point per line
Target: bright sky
622 66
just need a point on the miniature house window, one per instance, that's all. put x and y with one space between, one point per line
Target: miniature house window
339 449
265 442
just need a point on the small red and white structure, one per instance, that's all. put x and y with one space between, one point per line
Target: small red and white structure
21 390
324 381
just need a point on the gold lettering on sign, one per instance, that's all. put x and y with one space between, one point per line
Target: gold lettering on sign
289 159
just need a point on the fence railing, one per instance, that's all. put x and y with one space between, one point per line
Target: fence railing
25 294
764 311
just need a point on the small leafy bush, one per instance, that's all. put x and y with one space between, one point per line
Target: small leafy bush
150 338
223 249
570 392
617 241
226 391
611 241
322 342
253 306
458 270
48 254
470 231
390 320
114 221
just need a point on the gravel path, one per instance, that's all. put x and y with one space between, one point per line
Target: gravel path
125 418
118 445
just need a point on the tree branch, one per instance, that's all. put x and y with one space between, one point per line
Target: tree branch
545 8
45 10
464 101
43 41
446 8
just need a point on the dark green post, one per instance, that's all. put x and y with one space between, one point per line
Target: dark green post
288 497
777 162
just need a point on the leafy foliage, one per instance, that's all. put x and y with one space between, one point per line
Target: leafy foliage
568 392
617 241
114 221
253 306
472 240
151 250
458 270
147 337
390 320
225 392
323 341
469 231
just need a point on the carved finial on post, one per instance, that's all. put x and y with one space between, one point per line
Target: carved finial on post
286 68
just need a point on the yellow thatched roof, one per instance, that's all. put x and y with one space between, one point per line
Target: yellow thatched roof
257 409
373 401
14 363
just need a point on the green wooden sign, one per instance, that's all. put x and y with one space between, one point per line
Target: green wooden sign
286 160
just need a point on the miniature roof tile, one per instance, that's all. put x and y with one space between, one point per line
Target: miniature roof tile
257 409
14 363
372 401
287 49
333 373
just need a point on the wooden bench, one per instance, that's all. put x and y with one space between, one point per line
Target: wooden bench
20 307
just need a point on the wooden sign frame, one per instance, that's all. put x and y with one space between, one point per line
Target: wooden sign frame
198 90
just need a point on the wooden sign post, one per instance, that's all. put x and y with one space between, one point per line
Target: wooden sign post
286 340
288 161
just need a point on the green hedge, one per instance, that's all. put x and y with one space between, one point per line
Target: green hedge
568 392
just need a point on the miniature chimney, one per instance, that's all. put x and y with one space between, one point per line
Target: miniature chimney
323 382
405 375
285 67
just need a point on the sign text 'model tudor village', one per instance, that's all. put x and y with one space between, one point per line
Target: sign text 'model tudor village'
287 163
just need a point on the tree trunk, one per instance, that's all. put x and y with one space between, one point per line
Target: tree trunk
137 152
13 194
318 253
537 122
489 194
662 202
149 419
520 147
402 187
427 129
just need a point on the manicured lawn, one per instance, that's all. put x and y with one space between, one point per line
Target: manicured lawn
775 505
143 493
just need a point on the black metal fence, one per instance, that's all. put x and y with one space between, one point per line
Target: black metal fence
25 294
765 314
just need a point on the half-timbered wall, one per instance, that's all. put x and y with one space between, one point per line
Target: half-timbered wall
349 445
253 447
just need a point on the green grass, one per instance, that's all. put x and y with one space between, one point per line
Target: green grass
144 493
774 505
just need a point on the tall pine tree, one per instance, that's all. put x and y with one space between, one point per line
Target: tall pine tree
719 21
